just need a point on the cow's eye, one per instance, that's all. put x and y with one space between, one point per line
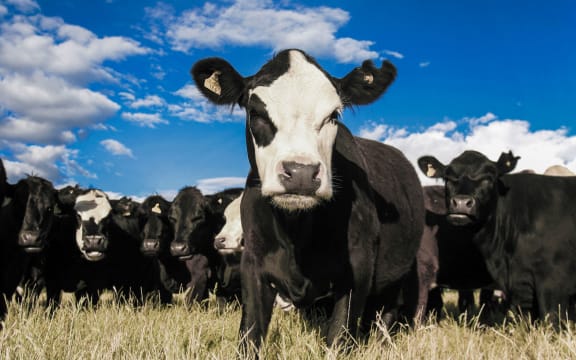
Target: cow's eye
332 119
262 128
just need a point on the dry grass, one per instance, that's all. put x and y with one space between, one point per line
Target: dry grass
113 331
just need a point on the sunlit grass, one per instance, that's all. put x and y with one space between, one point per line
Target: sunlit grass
120 331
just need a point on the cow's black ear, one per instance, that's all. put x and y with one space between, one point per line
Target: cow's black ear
366 83
218 81
506 162
431 167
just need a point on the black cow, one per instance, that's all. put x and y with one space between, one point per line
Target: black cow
196 220
26 223
324 213
454 261
156 234
523 225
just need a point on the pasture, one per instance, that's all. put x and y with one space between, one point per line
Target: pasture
117 331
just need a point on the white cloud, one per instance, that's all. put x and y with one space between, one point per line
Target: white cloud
55 163
198 109
24 5
394 54
262 23
211 186
115 147
144 120
424 64
3 10
148 101
447 139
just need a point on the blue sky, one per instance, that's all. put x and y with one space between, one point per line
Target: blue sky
99 92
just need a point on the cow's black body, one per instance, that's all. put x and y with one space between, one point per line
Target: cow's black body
524 226
456 262
156 235
356 248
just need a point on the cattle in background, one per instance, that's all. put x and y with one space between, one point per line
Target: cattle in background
196 220
522 225
5 187
26 222
450 259
156 235
324 214
230 238
558 170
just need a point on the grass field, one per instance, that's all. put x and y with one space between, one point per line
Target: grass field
113 331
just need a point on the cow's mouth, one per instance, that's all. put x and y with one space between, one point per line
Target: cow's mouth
227 251
295 202
185 257
460 219
33 249
95 255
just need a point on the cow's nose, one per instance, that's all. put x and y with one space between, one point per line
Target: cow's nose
300 179
179 248
97 243
220 242
29 239
150 246
462 204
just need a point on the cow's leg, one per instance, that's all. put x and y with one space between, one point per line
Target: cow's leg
53 297
257 305
199 269
552 306
466 301
435 302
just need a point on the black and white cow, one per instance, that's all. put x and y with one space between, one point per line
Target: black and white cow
522 224
324 213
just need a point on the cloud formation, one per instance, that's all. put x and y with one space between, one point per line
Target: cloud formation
447 139
261 23
115 147
213 185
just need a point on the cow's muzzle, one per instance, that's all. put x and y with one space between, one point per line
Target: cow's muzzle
462 210
30 241
180 249
300 179
95 246
150 247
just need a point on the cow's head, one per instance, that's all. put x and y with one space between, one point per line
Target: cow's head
292 109
67 197
157 231
37 198
189 217
229 239
93 208
472 183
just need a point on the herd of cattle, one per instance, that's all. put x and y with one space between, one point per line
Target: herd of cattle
326 219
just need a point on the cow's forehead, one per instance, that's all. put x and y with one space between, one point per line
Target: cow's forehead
93 204
472 162
303 89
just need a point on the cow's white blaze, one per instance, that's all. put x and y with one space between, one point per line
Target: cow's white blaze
300 103
231 231
92 205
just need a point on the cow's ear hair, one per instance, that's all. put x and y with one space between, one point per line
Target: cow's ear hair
366 83
431 167
506 162
218 81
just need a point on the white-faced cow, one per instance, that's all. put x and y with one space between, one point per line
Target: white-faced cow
523 224
324 213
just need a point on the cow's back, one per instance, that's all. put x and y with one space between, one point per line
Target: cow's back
400 204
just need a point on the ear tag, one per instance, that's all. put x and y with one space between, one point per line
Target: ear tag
212 83
508 163
220 201
368 79
431 171
156 209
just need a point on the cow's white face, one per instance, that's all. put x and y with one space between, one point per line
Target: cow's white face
293 127
92 207
229 239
